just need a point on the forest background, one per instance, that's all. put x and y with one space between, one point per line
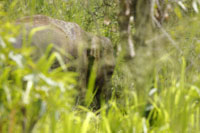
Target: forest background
156 83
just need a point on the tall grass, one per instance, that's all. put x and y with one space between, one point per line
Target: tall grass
38 99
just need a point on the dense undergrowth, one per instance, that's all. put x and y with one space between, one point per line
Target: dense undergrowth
32 98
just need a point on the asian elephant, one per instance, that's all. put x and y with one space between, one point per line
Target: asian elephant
78 47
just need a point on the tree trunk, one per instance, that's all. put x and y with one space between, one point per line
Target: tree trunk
124 20
142 11
142 65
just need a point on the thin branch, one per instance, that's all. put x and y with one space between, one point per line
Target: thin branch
173 42
130 41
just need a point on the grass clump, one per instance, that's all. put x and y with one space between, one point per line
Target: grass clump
41 99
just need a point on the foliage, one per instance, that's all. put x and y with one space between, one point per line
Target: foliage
39 99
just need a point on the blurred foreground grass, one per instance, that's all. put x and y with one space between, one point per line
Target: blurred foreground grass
33 98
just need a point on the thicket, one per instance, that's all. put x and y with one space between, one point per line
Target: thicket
156 91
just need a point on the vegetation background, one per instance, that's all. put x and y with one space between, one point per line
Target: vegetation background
156 91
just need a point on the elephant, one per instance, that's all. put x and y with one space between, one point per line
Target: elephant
78 47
